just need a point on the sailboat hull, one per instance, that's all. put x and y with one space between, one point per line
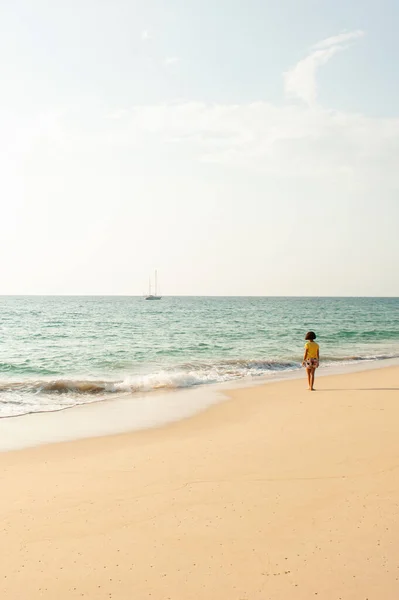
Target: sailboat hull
150 295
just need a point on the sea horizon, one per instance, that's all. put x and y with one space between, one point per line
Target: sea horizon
189 296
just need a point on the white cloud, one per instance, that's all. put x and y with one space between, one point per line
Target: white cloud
350 36
287 141
291 140
117 114
300 81
146 35
171 60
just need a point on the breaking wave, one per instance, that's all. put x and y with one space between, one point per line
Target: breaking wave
187 375
41 395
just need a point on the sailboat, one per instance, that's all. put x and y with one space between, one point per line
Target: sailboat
155 295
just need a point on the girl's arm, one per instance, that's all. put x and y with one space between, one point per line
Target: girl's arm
304 356
318 353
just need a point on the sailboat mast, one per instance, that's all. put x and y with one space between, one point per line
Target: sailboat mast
156 282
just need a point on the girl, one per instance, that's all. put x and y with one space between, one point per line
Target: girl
311 357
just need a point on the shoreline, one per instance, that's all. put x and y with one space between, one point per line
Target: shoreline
141 412
277 493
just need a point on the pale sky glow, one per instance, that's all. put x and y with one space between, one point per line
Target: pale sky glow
244 150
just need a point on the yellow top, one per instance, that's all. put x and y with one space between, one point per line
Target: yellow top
312 349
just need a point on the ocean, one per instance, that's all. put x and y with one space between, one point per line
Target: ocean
57 352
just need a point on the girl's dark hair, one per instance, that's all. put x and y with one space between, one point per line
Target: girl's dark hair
310 336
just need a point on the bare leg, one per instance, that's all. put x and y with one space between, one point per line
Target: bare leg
312 379
309 374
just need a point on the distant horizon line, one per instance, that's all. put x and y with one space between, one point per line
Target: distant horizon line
189 296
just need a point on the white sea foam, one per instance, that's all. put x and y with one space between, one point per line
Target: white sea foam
28 396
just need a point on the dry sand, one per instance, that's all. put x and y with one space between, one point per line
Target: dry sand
277 493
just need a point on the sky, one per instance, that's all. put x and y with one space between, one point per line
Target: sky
239 148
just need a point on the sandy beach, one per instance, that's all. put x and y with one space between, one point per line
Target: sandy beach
277 493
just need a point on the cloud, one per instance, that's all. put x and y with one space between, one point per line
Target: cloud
146 35
171 60
300 81
283 141
117 114
335 40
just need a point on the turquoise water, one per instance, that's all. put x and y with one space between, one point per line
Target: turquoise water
56 352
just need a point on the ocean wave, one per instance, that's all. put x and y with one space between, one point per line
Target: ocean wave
357 358
40 395
365 335
25 368
187 375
